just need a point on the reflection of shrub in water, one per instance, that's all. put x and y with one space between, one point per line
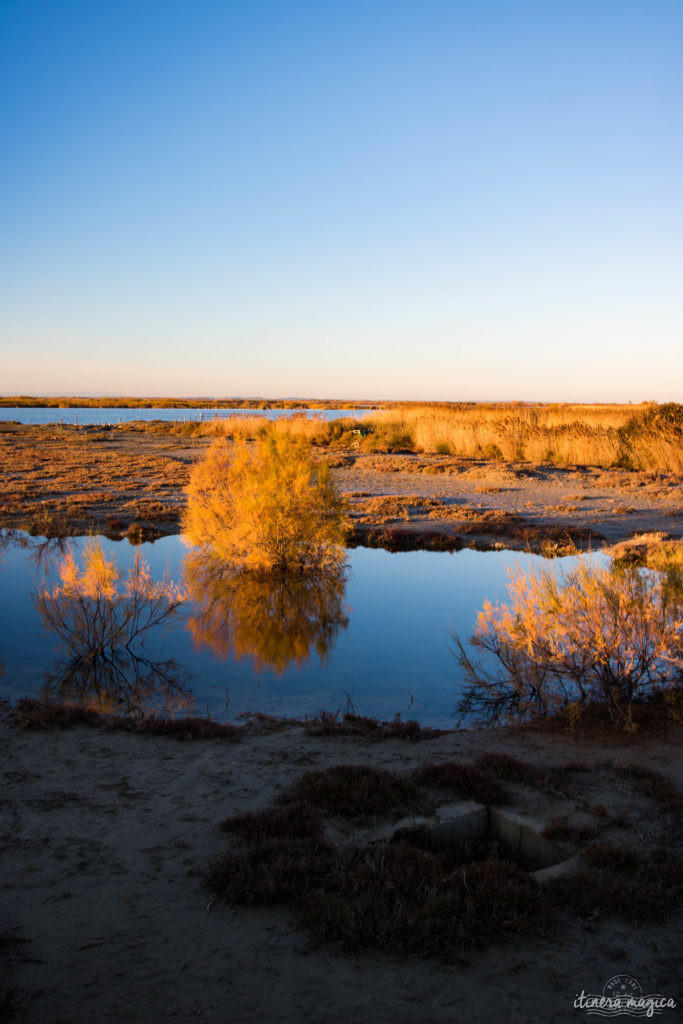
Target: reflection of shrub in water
275 618
593 637
103 620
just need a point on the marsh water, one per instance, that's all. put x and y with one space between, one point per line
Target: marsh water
113 415
377 641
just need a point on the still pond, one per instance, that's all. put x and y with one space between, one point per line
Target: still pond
378 642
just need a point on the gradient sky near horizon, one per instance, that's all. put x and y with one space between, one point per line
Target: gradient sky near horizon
437 199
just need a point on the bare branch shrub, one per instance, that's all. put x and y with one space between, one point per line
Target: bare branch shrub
595 635
103 620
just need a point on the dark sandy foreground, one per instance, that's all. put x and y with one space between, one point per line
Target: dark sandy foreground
105 919
79 479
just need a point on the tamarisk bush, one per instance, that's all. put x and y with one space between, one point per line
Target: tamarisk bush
266 507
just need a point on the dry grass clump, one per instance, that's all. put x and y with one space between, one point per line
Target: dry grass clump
402 900
389 895
254 427
270 872
36 714
328 723
353 791
649 890
464 780
511 769
652 784
295 821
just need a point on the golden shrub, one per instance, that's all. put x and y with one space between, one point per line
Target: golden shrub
265 506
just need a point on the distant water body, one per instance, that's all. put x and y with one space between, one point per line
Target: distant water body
108 416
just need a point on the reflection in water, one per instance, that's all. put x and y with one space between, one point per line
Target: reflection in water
274 618
103 621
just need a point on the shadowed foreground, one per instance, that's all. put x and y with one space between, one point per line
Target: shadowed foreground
105 916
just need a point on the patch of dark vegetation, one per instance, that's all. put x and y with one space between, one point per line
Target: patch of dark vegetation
396 538
182 728
653 785
562 832
614 858
647 716
328 723
549 540
511 769
294 821
52 527
401 900
354 791
270 872
465 780
416 893
35 714
137 533
651 891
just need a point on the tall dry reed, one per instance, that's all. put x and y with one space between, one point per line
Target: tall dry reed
633 437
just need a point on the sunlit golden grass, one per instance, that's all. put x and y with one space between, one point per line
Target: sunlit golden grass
251 427
631 437
640 437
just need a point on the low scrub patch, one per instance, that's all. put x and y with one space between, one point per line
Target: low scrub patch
35 714
354 790
464 780
328 723
653 785
418 897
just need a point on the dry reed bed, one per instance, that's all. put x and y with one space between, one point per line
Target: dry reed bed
643 437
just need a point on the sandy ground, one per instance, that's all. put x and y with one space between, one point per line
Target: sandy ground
105 837
80 479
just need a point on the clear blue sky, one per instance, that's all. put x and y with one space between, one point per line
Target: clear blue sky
435 199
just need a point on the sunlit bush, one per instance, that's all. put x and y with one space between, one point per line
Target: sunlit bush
265 506
607 636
